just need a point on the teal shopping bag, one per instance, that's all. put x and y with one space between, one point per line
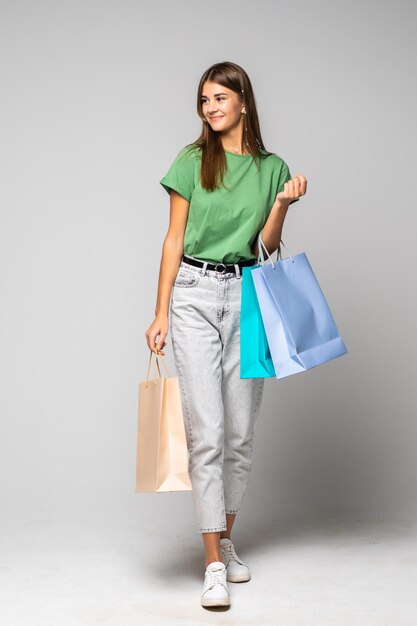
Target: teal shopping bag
255 357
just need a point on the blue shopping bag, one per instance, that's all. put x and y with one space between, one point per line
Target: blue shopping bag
299 325
255 356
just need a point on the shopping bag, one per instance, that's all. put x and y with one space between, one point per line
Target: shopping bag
299 325
162 455
255 356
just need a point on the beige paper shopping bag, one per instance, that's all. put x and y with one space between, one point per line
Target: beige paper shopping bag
162 455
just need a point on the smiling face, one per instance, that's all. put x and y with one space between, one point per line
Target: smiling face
221 107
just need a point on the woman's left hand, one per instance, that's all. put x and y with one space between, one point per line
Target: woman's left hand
293 189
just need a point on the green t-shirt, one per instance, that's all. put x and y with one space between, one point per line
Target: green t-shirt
223 224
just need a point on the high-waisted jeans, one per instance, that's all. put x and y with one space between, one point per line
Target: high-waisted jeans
219 407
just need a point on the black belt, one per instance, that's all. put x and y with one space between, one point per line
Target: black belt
219 267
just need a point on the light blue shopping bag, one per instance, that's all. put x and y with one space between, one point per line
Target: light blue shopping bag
255 356
299 325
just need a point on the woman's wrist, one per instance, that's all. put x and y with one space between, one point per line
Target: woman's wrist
281 207
162 313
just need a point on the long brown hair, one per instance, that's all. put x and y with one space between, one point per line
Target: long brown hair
213 158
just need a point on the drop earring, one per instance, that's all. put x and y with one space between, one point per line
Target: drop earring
244 110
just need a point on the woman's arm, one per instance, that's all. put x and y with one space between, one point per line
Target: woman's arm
272 230
172 250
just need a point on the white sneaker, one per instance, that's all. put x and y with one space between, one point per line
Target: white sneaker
215 592
237 570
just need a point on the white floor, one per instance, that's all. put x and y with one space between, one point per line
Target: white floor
115 572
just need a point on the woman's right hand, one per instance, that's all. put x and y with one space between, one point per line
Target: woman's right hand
158 328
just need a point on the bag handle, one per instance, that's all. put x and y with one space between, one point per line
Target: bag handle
261 254
155 365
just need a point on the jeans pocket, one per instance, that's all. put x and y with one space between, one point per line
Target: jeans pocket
187 278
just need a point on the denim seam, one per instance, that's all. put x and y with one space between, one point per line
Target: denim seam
214 529
223 313
181 381
187 282
259 396
226 307
222 494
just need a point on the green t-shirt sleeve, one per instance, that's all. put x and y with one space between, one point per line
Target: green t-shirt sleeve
284 177
180 175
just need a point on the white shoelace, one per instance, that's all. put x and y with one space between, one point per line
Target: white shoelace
229 553
216 577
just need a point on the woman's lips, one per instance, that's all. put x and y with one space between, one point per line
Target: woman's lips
217 117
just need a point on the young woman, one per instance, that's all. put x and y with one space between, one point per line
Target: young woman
224 188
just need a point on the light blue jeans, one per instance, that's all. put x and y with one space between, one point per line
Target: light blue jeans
219 407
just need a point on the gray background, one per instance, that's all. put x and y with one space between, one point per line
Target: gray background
97 99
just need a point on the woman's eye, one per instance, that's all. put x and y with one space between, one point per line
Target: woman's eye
219 98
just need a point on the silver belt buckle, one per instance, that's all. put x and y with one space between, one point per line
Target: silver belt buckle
221 271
